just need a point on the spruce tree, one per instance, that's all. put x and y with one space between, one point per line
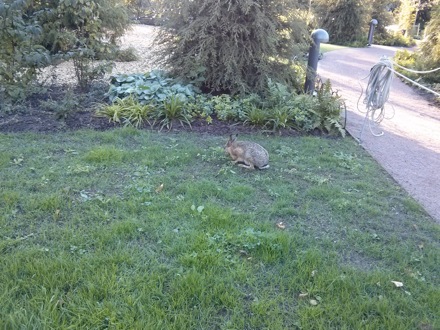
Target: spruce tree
346 21
236 45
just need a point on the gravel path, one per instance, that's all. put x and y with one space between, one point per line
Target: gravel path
140 37
409 149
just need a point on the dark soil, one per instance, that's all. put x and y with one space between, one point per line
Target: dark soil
64 114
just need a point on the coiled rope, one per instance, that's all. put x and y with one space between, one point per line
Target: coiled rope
378 91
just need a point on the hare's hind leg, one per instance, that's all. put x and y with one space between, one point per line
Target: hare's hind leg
248 166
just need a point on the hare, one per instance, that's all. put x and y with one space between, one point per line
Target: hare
247 154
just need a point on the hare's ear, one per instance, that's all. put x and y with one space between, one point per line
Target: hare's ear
232 138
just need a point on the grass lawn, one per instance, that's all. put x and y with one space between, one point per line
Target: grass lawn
324 48
129 229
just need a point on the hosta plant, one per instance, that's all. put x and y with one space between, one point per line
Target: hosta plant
154 86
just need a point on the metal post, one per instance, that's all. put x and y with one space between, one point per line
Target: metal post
373 24
318 36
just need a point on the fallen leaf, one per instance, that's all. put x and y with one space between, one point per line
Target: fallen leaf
313 302
243 252
281 225
421 246
314 272
57 213
303 295
160 188
397 284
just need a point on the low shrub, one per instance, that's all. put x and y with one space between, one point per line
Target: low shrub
394 39
173 108
170 101
127 111
417 61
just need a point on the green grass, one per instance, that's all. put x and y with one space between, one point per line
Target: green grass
128 229
324 48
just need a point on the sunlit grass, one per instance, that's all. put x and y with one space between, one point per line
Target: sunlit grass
140 230
324 48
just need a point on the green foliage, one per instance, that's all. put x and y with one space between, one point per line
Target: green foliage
127 111
393 39
406 59
426 57
126 55
72 24
430 47
171 109
20 54
279 108
68 104
81 31
346 21
86 70
380 11
239 44
77 30
227 107
138 8
328 110
86 31
407 16
283 109
154 86
255 116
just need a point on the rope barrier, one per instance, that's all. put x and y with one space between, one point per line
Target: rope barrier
378 91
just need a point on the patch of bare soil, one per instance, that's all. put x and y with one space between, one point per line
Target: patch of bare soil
33 116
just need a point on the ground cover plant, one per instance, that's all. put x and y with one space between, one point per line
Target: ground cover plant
159 100
133 229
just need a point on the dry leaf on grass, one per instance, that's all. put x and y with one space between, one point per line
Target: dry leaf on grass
397 284
159 188
281 225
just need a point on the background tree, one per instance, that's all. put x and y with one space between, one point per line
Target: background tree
407 16
68 23
235 45
430 47
20 54
346 21
381 10
137 8
81 30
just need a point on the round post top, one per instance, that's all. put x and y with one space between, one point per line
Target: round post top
320 35
374 21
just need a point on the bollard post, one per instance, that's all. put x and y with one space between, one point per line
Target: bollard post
373 24
318 36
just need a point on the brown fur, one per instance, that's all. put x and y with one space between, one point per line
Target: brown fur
247 154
